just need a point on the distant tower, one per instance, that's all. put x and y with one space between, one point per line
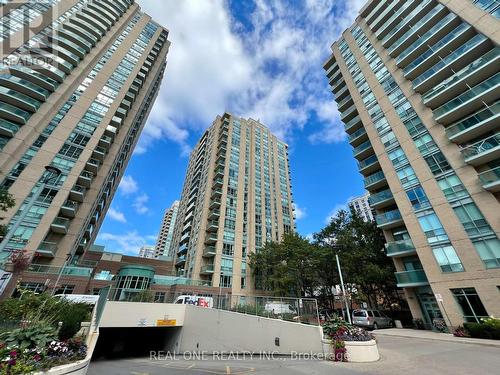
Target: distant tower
164 241
362 206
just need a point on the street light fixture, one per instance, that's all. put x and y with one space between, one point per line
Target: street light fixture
220 288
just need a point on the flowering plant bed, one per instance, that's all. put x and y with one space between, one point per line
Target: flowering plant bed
18 360
349 343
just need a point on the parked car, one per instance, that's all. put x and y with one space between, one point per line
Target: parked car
371 319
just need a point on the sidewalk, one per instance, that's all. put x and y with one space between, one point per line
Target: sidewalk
429 335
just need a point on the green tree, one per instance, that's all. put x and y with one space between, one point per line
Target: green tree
360 246
6 202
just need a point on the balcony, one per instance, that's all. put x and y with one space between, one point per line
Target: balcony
68 270
180 260
490 179
482 152
207 269
334 67
69 208
77 193
214 203
400 248
469 101
105 141
349 113
363 150
182 249
85 178
99 153
375 180
337 86
60 225
465 54
390 25
472 74
46 249
111 131
483 121
13 113
184 238
93 165
342 104
214 214
357 137
209 252
369 165
381 199
341 94
353 124
212 226
450 42
217 193
8 129
383 17
211 238
409 279
389 219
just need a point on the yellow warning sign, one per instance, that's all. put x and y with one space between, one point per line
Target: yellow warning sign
166 322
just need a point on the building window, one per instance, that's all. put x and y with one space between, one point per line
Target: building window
470 303
32 287
226 281
65 289
452 187
432 228
243 282
472 219
447 259
159 297
417 198
489 251
437 163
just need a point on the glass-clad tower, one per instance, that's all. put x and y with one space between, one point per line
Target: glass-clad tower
78 79
417 84
236 196
163 245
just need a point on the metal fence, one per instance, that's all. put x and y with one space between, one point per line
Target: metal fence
299 310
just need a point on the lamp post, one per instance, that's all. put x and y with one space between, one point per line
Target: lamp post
220 288
343 290
52 173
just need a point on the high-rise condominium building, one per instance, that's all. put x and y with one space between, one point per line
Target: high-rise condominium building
78 80
236 196
165 237
362 206
147 252
417 83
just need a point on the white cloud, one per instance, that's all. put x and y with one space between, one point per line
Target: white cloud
271 71
300 213
128 185
139 204
127 243
116 215
336 209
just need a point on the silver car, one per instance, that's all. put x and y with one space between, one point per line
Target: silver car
371 319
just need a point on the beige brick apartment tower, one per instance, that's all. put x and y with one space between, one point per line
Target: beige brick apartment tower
417 83
236 196
78 80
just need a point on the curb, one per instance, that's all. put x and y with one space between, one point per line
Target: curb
456 340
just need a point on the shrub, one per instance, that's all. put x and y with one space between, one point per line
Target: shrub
488 329
71 317
30 337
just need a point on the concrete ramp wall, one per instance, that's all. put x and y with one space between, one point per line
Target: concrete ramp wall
140 314
214 330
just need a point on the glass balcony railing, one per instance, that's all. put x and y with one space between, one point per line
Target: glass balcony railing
211 238
351 123
488 58
490 177
387 25
411 278
13 113
180 260
405 22
209 268
457 33
374 178
331 69
362 147
344 101
424 39
484 145
464 49
399 247
367 162
489 114
388 217
8 128
61 222
416 27
182 249
480 89
68 270
209 251
388 10
381 196
358 133
47 249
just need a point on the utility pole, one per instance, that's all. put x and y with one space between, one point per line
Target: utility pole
343 290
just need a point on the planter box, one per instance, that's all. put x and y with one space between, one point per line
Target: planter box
357 351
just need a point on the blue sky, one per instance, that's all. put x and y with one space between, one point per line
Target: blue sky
259 59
